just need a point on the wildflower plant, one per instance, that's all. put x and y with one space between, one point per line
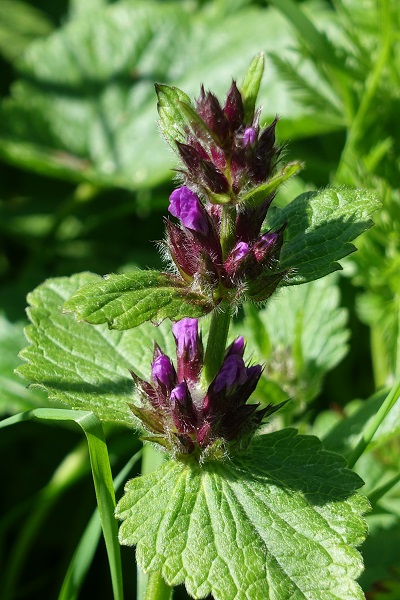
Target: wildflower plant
238 509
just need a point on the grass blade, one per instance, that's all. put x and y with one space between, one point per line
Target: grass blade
102 477
86 548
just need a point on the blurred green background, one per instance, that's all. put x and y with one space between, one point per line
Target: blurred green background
84 183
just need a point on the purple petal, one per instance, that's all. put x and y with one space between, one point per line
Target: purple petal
185 205
163 371
237 347
189 349
183 412
235 257
186 335
231 374
249 136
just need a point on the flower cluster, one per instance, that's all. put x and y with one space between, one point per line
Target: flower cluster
183 418
218 247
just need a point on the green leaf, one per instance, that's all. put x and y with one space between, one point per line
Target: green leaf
126 301
81 365
251 85
85 551
307 336
173 119
320 227
84 106
344 436
20 25
269 523
102 477
258 195
14 397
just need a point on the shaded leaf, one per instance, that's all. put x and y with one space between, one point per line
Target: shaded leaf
81 365
84 107
267 524
20 25
345 434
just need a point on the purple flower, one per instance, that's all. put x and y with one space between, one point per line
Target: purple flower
182 408
236 257
189 349
164 376
237 347
185 205
249 136
231 374
179 416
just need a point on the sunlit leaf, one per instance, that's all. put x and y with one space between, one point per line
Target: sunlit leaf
270 523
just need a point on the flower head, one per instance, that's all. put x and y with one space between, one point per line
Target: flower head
226 155
178 414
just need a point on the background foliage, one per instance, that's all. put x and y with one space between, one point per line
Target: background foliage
85 178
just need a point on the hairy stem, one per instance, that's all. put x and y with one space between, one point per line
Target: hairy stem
218 334
157 589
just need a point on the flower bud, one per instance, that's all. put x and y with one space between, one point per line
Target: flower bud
182 409
235 258
209 109
189 349
164 377
233 108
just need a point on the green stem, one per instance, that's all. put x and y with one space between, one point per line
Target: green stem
151 459
227 229
377 494
372 427
157 589
216 344
378 354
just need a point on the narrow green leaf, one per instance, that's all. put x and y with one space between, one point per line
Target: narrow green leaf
251 85
269 523
84 553
128 300
81 365
102 478
320 227
259 194
173 118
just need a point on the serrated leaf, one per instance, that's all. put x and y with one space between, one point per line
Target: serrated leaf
14 396
251 86
269 523
320 227
82 365
307 336
127 300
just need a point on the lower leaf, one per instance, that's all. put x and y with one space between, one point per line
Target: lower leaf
279 521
